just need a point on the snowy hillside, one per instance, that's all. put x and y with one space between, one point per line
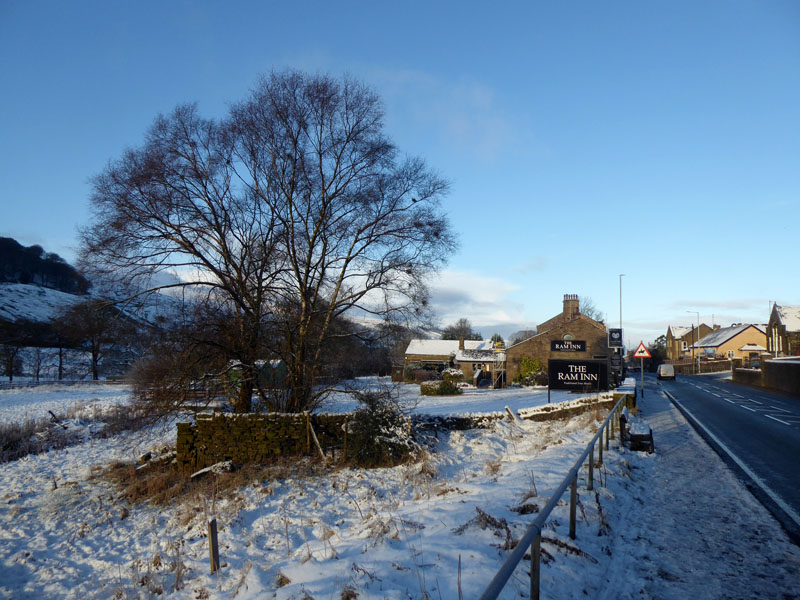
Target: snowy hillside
20 301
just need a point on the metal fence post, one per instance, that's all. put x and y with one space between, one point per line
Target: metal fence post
591 469
607 434
573 501
600 450
536 546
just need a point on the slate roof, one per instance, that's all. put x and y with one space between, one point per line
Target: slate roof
722 335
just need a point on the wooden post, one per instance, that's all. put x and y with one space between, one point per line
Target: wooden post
573 501
213 546
345 439
607 433
591 469
536 546
308 433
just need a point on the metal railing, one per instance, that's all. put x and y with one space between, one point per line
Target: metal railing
533 535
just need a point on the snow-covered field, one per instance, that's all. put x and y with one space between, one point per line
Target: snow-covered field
399 532
19 404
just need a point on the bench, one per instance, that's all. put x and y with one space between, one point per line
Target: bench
637 439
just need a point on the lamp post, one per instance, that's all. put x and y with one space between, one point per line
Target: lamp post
621 275
697 335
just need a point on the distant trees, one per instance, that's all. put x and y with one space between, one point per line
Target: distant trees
33 265
496 337
94 326
281 218
461 329
521 336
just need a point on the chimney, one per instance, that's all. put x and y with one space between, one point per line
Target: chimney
460 343
571 308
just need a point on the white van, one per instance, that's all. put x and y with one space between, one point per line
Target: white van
665 371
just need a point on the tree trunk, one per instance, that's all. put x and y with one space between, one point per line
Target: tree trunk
244 403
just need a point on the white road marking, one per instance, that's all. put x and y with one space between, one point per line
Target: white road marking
780 409
758 481
747 408
778 420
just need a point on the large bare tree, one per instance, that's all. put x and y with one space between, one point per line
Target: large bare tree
292 211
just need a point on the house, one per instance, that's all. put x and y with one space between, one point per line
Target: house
783 331
740 340
680 339
569 334
475 358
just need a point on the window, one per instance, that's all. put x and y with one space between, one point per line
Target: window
568 336
684 346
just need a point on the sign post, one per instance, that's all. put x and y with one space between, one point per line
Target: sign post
642 353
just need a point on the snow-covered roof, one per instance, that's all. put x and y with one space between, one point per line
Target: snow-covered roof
789 316
445 347
720 336
752 348
678 331
479 356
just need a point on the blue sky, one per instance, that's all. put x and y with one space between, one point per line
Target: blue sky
582 140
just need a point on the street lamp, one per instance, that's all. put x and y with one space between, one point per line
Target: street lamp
697 335
621 275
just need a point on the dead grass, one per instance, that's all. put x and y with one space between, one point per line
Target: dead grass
164 483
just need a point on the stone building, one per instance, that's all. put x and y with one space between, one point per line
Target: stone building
783 331
743 341
474 357
681 338
569 334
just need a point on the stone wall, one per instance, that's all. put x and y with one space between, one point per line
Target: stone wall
254 438
782 375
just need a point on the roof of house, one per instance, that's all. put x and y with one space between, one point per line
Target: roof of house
722 335
679 331
752 348
789 316
479 355
445 347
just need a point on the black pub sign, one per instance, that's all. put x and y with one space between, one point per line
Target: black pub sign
567 346
580 375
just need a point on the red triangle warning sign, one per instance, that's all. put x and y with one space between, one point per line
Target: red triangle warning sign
641 352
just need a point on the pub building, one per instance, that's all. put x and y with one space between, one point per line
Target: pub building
568 335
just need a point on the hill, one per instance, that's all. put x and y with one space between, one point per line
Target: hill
32 265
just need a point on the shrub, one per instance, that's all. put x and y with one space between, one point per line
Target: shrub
453 375
440 388
379 434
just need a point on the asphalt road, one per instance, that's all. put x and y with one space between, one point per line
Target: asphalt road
756 432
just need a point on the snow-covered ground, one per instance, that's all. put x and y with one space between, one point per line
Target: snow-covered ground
675 524
20 404
472 401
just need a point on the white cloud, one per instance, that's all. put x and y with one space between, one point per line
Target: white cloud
481 299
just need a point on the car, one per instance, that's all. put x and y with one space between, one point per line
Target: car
665 371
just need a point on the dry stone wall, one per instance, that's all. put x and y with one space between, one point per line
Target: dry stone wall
256 438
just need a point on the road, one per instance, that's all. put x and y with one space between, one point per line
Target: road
756 432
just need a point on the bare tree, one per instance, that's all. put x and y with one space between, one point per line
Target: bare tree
461 329
289 213
94 326
589 309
